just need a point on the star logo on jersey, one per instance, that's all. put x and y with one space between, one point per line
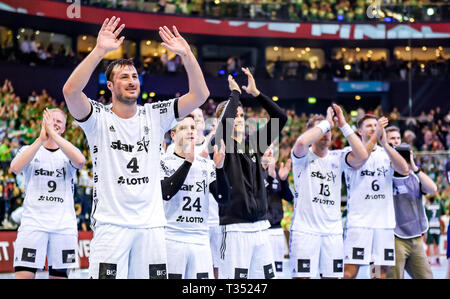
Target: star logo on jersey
146 130
111 129
331 176
201 186
143 145
382 171
180 219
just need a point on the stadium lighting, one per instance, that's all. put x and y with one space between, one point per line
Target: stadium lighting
343 49
38 32
388 19
307 49
234 74
303 52
354 113
144 95
275 98
424 48
102 92
217 2
407 48
357 49
292 49
152 94
312 100
348 67
440 48
148 43
221 72
430 11
275 48
340 17
358 97
84 37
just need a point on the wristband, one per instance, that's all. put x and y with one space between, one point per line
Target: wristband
346 130
324 125
418 170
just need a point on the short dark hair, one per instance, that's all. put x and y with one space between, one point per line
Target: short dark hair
392 129
120 62
364 118
312 121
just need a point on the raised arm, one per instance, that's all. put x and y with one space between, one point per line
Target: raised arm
77 102
398 163
72 152
427 184
305 140
220 188
23 159
278 118
198 91
171 185
358 156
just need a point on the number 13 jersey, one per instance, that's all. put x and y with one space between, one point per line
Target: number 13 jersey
370 193
126 156
318 181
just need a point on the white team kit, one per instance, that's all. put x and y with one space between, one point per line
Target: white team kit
48 225
187 212
316 243
369 235
127 190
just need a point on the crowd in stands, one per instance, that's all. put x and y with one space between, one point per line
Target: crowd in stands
21 119
292 10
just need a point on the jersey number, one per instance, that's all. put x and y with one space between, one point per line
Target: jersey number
133 165
187 206
375 187
324 190
52 186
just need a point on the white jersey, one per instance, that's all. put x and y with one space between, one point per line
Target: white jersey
126 158
187 211
370 193
213 219
317 208
48 205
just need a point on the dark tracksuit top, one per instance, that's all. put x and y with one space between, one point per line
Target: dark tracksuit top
248 202
276 191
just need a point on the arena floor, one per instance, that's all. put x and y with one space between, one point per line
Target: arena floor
439 272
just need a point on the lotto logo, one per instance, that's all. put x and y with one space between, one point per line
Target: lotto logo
304 266
338 266
389 254
268 271
133 181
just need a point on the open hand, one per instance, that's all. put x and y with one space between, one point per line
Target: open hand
251 84
107 37
174 42
219 155
284 170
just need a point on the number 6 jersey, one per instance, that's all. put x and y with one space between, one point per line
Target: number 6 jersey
126 156
370 193
318 181
48 204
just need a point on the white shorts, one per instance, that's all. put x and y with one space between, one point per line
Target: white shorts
188 261
215 239
120 252
314 254
31 248
246 255
366 245
278 243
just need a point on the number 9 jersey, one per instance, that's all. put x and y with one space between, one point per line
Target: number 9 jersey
48 204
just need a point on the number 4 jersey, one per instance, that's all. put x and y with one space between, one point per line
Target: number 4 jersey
48 204
370 193
187 211
318 181
126 156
